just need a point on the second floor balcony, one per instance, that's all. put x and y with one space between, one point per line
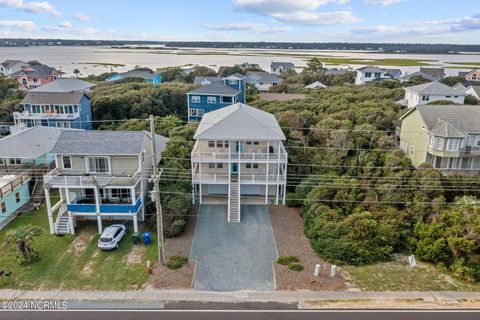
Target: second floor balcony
63 179
25 115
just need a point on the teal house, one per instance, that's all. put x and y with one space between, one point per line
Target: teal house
150 77
14 194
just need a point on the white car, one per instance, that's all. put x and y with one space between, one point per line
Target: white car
112 236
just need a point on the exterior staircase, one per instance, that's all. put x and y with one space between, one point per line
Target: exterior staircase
38 194
234 200
63 225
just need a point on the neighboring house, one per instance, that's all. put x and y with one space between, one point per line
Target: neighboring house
30 147
100 175
205 81
394 73
186 72
460 87
335 72
316 85
281 67
55 109
446 136
474 91
31 77
263 80
473 76
10 66
66 85
264 96
150 77
249 66
427 76
239 157
432 91
371 73
438 73
215 96
14 194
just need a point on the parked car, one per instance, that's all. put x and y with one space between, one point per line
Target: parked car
111 237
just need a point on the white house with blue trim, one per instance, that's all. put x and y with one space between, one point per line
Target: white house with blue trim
100 175
150 77
215 95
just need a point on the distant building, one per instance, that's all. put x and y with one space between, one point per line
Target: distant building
55 109
445 136
249 66
66 85
31 77
263 81
335 72
316 85
473 91
424 75
438 73
432 91
473 76
216 95
239 157
205 81
281 67
11 66
150 77
371 73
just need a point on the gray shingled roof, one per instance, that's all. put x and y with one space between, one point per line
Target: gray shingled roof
236 75
147 75
437 72
198 80
39 70
65 85
460 118
316 84
9 63
476 89
239 122
395 73
427 76
287 65
434 88
335 72
216 88
269 78
370 69
105 143
30 143
444 129
53 98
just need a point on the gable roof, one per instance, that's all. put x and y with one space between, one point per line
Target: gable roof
437 72
198 80
288 65
434 88
10 63
316 84
475 88
395 73
105 143
239 121
269 77
371 69
461 119
147 75
38 70
30 143
427 76
215 88
236 75
53 98
65 85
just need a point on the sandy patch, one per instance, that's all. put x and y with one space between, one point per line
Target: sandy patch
81 241
136 255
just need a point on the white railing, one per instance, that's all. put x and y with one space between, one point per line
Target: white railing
30 115
244 178
246 157
62 179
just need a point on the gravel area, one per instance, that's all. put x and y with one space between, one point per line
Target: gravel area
234 256
165 278
291 241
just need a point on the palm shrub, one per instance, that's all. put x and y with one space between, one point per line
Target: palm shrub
21 238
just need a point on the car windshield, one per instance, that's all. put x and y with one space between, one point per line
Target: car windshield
105 239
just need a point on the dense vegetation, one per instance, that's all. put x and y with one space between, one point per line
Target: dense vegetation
10 98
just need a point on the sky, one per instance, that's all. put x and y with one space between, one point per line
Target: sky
413 21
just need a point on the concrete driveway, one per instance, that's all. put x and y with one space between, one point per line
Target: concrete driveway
233 256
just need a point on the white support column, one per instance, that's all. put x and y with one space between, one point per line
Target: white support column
284 182
70 218
240 151
229 176
192 164
51 224
278 172
200 171
135 223
97 207
268 170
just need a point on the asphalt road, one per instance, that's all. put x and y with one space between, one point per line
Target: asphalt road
240 315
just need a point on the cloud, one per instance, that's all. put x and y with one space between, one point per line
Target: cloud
384 3
83 17
32 7
298 11
247 26
20 24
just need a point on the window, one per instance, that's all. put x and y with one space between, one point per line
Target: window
15 161
211 144
67 162
368 74
425 98
227 144
120 193
256 143
227 99
431 142
98 165
439 143
196 112
3 206
2 161
248 165
455 97
211 165
452 144
219 144
255 166
219 165
448 97
63 124
412 150
248 143
377 75
211 99
232 81
17 197
195 99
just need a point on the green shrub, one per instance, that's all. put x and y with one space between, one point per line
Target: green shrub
295 267
176 262
176 229
287 260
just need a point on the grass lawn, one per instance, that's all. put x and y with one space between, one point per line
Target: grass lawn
75 262
472 64
393 276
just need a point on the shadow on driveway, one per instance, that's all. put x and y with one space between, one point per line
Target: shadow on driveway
233 256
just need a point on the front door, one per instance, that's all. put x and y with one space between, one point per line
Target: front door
238 147
235 168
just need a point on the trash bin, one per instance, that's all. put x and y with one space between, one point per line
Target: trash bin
136 238
147 238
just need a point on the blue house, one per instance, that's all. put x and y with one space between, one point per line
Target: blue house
216 95
14 194
55 109
154 78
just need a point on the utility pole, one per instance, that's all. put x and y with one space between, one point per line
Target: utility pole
156 191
